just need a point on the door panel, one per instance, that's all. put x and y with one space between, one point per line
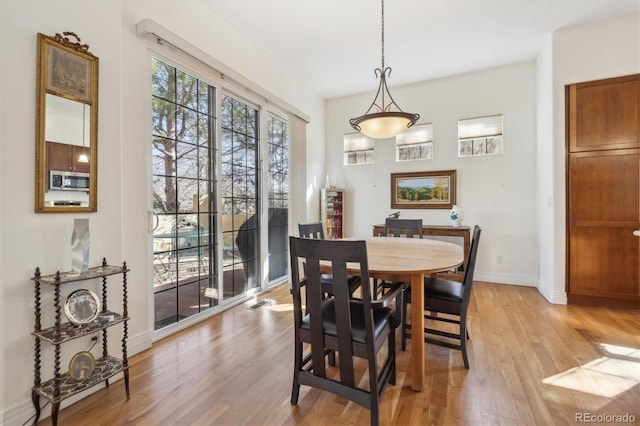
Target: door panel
604 115
603 203
604 212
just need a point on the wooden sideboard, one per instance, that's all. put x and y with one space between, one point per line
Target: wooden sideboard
463 232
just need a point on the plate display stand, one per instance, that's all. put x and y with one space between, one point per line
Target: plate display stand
62 386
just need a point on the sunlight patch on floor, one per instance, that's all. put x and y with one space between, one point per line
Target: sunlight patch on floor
280 307
607 376
621 351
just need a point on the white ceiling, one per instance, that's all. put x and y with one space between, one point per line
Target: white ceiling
335 45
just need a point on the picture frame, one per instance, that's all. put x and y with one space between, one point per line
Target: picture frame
69 74
82 366
423 190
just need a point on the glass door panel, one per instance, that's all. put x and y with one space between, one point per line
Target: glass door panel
239 190
183 153
278 187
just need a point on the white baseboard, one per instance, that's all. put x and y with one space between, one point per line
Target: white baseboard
555 297
500 278
139 343
18 415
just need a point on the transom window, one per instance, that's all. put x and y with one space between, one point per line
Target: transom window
480 136
358 149
415 143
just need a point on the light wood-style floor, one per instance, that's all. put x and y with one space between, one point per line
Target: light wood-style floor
532 363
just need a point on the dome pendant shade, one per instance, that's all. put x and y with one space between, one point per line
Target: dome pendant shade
382 120
383 125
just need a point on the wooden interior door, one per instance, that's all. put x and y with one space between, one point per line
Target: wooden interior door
603 203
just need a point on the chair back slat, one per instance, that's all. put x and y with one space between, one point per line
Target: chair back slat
393 227
314 306
467 281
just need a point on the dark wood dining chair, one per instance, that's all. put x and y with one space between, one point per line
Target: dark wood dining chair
355 328
315 230
446 297
394 228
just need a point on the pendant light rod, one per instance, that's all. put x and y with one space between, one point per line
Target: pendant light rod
382 31
384 122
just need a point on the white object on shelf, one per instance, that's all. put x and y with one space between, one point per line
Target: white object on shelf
456 216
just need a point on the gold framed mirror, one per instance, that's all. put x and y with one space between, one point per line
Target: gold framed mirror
66 125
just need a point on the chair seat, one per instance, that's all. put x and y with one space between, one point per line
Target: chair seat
440 289
381 318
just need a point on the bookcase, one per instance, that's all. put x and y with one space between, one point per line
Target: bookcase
332 212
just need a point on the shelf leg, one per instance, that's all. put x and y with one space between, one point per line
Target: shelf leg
55 408
126 383
36 404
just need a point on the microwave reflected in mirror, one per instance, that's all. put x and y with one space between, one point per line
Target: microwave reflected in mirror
68 149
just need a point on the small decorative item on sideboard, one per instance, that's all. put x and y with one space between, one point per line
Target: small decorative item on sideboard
456 216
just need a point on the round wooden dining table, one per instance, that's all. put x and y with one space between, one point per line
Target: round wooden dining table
408 260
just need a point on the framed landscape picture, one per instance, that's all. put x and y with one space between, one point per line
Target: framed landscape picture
423 190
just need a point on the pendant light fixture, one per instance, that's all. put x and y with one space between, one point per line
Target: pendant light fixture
83 157
384 118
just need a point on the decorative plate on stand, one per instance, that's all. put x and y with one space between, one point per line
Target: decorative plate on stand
82 306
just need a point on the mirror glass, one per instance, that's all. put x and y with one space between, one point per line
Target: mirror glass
66 140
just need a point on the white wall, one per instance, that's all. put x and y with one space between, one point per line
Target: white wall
497 192
119 228
595 51
29 239
544 174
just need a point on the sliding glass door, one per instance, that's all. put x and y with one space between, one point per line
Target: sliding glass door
209 247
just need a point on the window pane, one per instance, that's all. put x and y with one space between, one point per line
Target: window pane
163 80
186 90
186 125
163 117
163 157
226 146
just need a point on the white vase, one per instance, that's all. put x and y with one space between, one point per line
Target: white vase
80 245
456 216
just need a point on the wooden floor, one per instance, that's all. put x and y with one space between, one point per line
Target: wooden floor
532 363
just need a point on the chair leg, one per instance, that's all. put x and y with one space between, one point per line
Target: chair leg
375 289
297 365
331 358
374 408
463 341
391 353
